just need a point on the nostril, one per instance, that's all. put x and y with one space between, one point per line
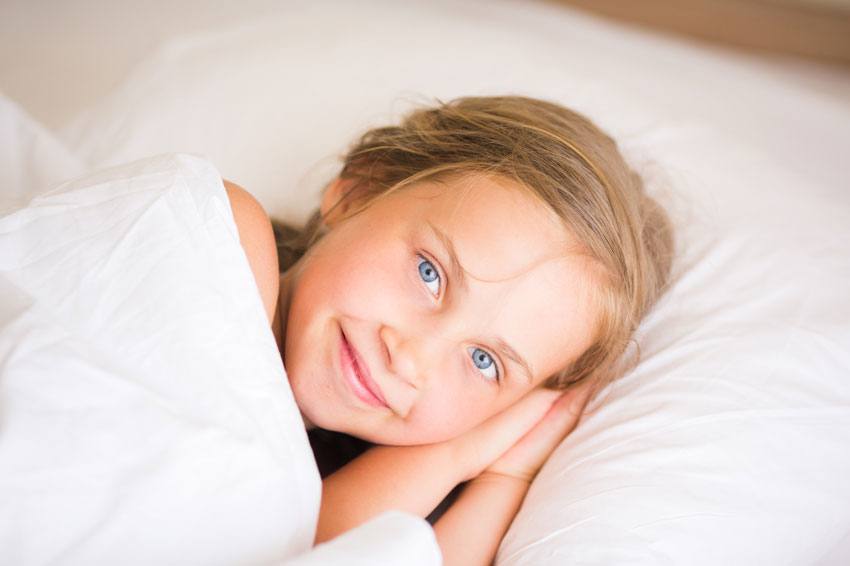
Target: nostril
398 355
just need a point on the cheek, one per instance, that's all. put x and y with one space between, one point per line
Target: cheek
444 416
451 412
357 280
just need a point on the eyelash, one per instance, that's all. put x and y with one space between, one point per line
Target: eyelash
435 264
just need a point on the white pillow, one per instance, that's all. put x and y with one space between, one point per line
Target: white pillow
31 159
728 443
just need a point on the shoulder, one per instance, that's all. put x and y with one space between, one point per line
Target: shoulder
257 239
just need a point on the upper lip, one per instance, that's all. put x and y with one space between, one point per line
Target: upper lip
364 371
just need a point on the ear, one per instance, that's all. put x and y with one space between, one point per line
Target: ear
336 192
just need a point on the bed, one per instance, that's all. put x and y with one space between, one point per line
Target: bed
728 443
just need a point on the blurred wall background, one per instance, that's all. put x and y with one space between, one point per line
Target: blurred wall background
56 58
818 30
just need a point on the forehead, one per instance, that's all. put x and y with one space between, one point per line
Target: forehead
521 261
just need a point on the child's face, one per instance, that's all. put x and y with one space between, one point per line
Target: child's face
384 279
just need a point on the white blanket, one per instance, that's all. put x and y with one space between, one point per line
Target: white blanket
146 414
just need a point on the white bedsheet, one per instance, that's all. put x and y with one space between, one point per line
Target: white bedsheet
146 414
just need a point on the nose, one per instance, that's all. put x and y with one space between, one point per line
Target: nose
409 356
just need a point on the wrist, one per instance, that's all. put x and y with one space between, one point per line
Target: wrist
507 479
524 473
465 459
473 527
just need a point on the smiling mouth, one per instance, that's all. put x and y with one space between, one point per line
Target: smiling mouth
357 375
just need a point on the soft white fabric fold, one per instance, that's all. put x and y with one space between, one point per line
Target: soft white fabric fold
389 539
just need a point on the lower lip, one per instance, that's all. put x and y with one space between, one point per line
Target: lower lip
360 390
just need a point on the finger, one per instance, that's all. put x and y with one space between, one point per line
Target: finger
576 398
582 397
527 456
521 416
512 423
490 439
534 448
562 417
573 403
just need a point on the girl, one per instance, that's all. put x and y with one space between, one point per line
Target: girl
464 270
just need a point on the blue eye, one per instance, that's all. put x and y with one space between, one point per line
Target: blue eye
484 362
429 275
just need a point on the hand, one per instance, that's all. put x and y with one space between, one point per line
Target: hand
525 458
519 439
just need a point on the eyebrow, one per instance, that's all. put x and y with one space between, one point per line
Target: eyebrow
459 274
509 352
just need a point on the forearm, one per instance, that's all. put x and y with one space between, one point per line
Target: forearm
470 532
406 478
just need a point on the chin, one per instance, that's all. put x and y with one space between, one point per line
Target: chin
388 439
314 420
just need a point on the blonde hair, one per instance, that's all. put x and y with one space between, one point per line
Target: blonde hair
562 159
